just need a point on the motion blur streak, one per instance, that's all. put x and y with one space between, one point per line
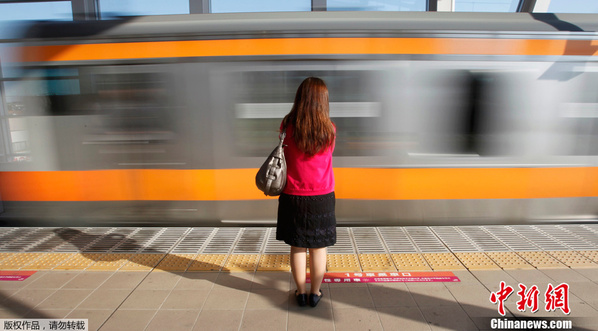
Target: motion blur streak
399 184
304 46
442 118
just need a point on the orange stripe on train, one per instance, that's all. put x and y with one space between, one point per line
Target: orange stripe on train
351 183
306 46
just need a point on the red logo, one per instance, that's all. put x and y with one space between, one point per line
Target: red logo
528 298
558 297
555 297
500 297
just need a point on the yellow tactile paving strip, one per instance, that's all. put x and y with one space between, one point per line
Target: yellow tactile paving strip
410 262
49 261
573 259
443 261
175 262
142 262
79 261
110 262
342 263
509 260
376 262
18 260
592 255
244 262
477 261
208 262
274 263
281 262
4 256
541 260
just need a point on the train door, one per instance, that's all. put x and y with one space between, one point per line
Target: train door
250 101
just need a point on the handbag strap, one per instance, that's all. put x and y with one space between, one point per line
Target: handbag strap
283 134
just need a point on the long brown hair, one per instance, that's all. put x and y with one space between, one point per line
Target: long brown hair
310 116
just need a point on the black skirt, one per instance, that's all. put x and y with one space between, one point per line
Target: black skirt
307 221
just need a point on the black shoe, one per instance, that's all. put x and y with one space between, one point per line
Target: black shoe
301 299
314 299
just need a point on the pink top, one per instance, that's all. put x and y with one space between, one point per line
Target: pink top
307 175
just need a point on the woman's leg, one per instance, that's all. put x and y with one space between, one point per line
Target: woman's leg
299 267
317 266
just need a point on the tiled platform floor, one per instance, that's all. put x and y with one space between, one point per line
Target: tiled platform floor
239 279
157 300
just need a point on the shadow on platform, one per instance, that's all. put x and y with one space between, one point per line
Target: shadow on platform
482 315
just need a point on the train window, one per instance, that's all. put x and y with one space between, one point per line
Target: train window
500 6
32 92
114 8
40 91
377 5
130 109
263 98
455 114
235 6
133 106
579 117
125 117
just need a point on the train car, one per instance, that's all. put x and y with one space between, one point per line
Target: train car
443 118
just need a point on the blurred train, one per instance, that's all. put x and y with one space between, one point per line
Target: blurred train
443 118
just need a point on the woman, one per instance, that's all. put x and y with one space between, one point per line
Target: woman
306 218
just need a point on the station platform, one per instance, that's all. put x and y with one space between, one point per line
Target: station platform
230 278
